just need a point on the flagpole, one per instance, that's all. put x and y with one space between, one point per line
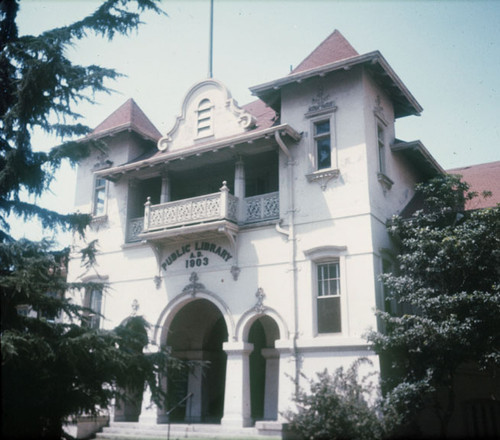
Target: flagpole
210 48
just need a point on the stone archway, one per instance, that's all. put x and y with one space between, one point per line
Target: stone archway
264 369
196 334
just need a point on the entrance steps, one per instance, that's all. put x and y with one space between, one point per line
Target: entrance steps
178 431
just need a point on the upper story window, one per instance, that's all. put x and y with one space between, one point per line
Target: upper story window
381 148
205 122
381 156
99 202
323 144
328 297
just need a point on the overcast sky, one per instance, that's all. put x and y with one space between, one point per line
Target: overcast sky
446 52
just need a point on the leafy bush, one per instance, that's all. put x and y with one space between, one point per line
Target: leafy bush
339 406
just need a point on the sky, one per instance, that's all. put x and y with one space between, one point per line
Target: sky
446 52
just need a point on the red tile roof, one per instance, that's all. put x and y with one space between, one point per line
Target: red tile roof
482 177
265 116
127 117
334 48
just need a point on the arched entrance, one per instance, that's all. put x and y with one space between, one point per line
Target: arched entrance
196 335
264 369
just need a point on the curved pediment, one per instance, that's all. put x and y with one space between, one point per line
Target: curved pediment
208 113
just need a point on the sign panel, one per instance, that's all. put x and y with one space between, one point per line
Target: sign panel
197 254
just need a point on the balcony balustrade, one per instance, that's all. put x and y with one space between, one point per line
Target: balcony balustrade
207 208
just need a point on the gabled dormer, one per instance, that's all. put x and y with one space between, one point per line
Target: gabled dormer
208 113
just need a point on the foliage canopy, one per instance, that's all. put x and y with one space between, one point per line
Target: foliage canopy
445 295
54 365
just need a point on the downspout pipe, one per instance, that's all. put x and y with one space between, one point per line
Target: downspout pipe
291 237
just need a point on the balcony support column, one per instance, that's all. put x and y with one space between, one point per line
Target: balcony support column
239 188
147 213
224 200
165 188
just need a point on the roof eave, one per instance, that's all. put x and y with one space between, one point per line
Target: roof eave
119 129
266 91
418 148
285 129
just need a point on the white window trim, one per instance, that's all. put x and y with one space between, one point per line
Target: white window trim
382 161
321 255
324 175
87 302
85 298
94 198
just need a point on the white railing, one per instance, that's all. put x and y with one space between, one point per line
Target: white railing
210 207
217 206
134 228
262 207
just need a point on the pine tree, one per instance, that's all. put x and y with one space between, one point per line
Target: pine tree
54 365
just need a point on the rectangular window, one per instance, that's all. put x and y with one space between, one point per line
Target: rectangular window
328 298
94 303
323 144
381 148
99 197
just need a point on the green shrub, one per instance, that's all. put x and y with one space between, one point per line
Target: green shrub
341 405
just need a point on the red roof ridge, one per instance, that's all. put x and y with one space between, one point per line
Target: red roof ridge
334 48
129 116
484 164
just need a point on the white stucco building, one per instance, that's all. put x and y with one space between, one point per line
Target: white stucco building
252 236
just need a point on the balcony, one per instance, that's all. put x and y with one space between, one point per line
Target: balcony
203 213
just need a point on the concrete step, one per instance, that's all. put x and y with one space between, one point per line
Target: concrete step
133 430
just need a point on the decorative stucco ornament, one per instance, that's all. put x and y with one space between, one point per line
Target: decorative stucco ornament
259 306
135 307
193 286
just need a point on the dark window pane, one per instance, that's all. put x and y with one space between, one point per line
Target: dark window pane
324 153
329 315
322 127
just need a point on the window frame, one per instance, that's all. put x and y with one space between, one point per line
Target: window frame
316 174
318 138
321 284
382 148
97 190
324 255
94 316
318 118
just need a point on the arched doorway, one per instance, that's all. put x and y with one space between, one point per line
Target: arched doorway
264 369
196 335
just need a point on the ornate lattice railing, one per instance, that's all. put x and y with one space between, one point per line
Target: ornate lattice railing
134 228
217 206
262 207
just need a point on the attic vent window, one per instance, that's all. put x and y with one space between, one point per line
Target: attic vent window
204 125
